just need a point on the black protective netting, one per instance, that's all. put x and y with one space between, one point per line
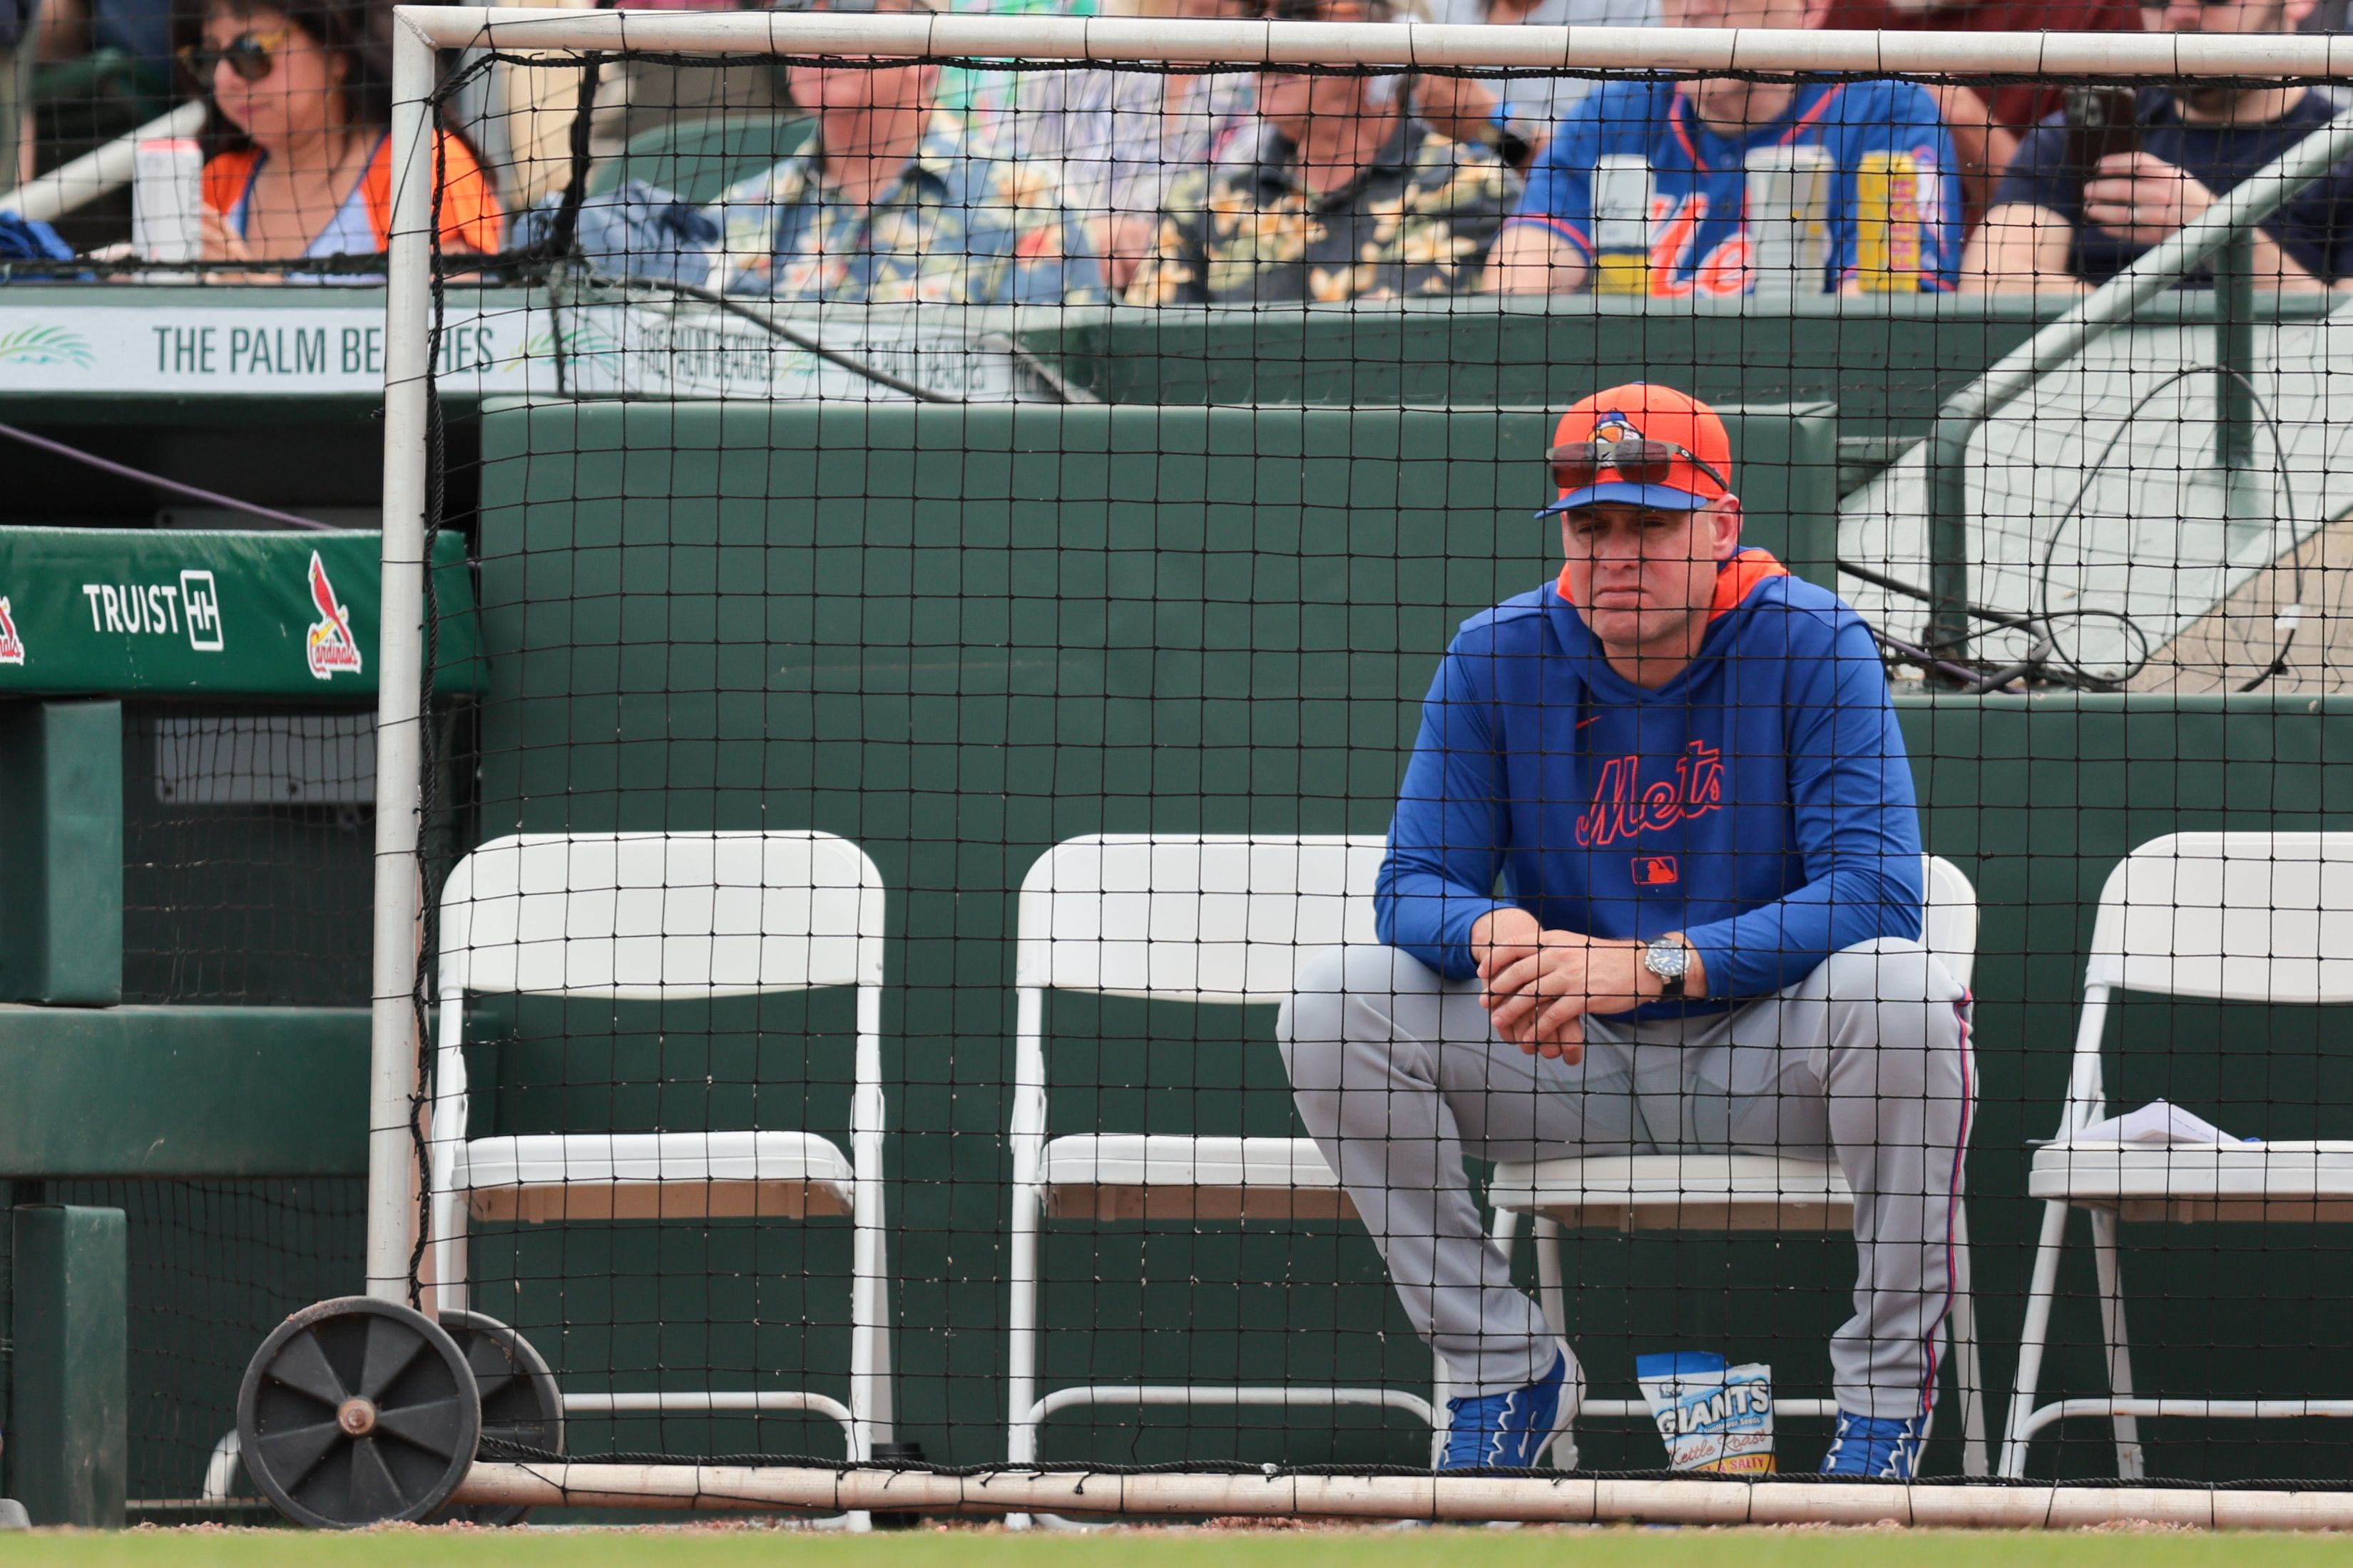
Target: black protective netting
1046 497
1215 766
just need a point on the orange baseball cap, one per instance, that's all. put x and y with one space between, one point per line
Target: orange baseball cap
1682 459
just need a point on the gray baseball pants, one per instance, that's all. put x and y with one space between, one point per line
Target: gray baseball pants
1397 1076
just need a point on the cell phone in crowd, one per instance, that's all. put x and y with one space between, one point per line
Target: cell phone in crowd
2101 121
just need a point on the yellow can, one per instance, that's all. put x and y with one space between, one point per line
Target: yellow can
1621 272
1888 240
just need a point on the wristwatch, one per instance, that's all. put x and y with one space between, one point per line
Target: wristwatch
1669 960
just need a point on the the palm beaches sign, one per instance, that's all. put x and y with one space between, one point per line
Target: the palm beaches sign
185 342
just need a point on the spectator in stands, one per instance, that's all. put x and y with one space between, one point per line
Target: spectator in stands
2053 225
1350 197
889 202
1697 137
634 95
1515 118
1987 123
300 152
1123 139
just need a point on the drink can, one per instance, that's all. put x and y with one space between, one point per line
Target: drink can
1788 218
167 199
1621 225
1887 223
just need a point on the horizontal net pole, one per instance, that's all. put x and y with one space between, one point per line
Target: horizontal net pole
1566 1500
1234 43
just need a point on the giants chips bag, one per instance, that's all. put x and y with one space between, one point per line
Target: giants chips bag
1710 1416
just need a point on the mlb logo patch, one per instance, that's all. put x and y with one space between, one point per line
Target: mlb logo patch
1656 871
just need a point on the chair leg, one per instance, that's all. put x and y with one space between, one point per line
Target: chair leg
869 1347
1021 1338
2032 1337
1442 1389
2129 1466
1550 1299
1505 1233
449 1252
1961 1326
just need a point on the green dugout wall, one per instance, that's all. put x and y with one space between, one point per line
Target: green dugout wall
959 635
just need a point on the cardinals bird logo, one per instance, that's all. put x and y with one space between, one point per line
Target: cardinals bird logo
12 647
331 646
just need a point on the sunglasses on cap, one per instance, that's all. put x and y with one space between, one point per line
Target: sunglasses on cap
251 55
1636 460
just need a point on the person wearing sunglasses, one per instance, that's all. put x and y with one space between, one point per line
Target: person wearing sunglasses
1653 884
300 162
2058 226
1349 196
1696 139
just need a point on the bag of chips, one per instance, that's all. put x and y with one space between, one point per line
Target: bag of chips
1712 1417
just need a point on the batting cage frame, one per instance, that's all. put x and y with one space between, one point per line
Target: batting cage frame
447 1417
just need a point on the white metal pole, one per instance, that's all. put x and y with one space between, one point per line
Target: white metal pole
393 1173
49 197
1562 1500
2100 55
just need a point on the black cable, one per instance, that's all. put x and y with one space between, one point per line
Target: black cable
1976 679
2278 664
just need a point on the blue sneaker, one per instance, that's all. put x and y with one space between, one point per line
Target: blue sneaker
1875 1449
1511 1431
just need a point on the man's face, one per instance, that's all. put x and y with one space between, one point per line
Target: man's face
1290 101
2232 17
1642 576
1723 97
2239 16
847 89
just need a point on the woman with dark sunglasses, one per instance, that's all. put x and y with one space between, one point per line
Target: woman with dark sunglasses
300 162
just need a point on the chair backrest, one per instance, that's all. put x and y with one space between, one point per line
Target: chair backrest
1948 925
2247 917
652 915
1199 918
699 160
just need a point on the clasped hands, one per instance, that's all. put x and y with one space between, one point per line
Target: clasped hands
2142 198
1537 985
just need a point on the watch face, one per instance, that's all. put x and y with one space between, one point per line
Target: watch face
1667 960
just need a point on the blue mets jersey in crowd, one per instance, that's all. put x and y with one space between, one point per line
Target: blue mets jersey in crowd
1699 180
1760 802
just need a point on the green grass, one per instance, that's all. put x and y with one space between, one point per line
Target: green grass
1607 1548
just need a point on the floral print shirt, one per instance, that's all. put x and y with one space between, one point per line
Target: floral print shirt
1415 223
956 228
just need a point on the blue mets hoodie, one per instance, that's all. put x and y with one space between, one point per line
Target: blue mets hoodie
1760 803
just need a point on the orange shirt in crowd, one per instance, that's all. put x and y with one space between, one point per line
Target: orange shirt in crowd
471 218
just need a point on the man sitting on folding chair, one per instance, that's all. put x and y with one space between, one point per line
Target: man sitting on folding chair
1681 764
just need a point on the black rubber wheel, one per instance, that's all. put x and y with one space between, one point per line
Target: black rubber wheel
358 1412
520 1404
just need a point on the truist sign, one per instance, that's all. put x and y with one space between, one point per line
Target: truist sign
137 609
104 611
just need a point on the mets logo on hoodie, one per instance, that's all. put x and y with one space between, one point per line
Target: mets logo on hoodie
331 646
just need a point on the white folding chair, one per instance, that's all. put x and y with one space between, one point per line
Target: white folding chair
1212 920
1743 1192
2240 917
670 915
